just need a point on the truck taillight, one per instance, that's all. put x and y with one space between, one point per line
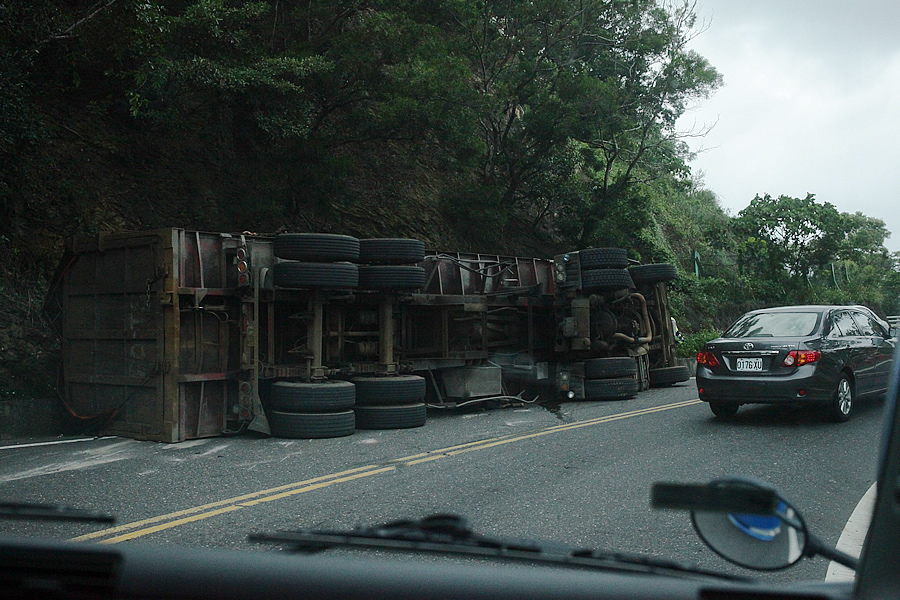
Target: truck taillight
241 261
561 271
245 396
707 359
796 358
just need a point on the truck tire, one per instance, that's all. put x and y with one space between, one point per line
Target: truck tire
607 368
606 280
290 396
646 274
391 277
389 391
619 388
391 251
404 416
667 376
316 247
315 275
603 258
296 425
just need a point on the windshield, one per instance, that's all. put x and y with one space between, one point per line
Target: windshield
328 265
775 324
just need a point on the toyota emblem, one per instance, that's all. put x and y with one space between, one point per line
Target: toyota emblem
748 346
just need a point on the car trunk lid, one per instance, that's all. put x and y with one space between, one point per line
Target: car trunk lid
754 355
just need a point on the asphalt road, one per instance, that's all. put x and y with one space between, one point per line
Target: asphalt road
578 473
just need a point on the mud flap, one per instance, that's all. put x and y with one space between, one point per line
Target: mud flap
642 359
260 422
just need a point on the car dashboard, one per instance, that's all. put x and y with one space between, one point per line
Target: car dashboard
39 569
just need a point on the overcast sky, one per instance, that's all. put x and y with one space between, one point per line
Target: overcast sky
810 103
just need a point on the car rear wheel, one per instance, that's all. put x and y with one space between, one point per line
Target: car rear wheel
722 410
842 402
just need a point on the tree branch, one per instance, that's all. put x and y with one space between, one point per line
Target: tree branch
67 33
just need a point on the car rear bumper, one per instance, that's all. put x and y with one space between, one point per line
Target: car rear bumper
802 387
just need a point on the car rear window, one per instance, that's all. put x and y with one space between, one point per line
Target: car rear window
775 324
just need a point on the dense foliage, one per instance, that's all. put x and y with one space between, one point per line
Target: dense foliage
543 114
497 125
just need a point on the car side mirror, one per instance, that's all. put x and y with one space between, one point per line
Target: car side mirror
763 542
747 522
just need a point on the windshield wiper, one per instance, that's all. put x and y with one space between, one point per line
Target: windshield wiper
451 534
50 512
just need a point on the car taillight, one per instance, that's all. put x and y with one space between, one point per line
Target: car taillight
796 358
707 359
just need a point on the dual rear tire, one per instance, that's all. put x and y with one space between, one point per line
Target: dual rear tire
327 261
338 408
393 402
611 378
301 410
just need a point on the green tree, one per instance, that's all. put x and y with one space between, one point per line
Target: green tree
797 250
863 271
865 237
593 86
790 237
556 114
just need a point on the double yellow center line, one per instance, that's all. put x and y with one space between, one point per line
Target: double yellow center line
144 527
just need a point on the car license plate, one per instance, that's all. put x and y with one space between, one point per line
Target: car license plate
749 364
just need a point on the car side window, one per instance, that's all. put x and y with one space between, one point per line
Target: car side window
833 329
865 326
845 324
869 326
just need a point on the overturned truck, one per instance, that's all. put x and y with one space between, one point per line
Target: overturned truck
173 334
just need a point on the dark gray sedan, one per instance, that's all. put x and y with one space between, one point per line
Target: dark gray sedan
793 355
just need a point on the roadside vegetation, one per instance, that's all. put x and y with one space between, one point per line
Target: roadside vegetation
498 126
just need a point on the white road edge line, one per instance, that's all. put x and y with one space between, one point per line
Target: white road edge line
55 442
853 536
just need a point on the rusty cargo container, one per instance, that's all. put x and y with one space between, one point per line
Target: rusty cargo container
143 324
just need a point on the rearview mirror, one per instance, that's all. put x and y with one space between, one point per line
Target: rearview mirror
747 522
763 542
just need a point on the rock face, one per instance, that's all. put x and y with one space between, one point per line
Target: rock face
30 417
28 359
